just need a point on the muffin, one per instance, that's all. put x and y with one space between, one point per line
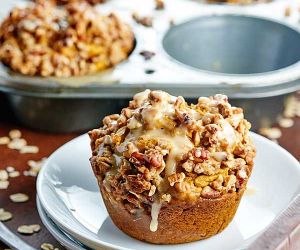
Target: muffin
170 172
45 40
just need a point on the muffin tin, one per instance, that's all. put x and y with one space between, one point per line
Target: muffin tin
180 65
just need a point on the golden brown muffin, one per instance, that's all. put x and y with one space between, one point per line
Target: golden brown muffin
46 40
170 172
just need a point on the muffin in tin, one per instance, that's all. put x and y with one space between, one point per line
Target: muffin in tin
170 172
45 40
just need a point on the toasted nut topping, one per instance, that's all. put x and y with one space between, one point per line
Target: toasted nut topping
162 145
166 197
208 192
178 177
19 197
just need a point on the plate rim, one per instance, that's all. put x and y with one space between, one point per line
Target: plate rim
56 233
67 228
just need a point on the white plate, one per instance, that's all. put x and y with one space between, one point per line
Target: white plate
69 193
63 238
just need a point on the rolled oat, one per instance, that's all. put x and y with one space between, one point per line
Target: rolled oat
19 197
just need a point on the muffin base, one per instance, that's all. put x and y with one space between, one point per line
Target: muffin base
178 221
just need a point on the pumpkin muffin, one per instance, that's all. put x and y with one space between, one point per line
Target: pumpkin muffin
170 172
45 40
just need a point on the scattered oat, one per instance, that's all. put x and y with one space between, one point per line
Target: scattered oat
10 169
285 122
17 144
159 4
292 107
26 173
47 246
15 134
146 21
4 140
147 54
19 197
5 215
287 11
29 150
29 229
271 133
35 167
3 175
14 174
4 184
36 227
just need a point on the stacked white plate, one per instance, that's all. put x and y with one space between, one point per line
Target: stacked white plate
71 207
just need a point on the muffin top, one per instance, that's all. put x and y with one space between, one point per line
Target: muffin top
161 150
46 40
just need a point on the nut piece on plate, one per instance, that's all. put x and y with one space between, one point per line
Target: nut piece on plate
45 40
170 172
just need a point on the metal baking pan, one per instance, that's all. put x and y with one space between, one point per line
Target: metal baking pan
197 57
73 109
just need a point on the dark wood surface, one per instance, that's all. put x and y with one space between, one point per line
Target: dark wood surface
26 213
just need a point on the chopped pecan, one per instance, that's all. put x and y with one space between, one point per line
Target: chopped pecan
145 21
137 184
174 178
209 193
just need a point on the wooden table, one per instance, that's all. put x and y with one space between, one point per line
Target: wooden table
26 213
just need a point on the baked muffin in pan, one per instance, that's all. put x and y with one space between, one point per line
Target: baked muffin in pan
170 172
45 40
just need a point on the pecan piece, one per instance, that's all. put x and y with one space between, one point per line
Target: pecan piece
137 184
209 193
174 178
